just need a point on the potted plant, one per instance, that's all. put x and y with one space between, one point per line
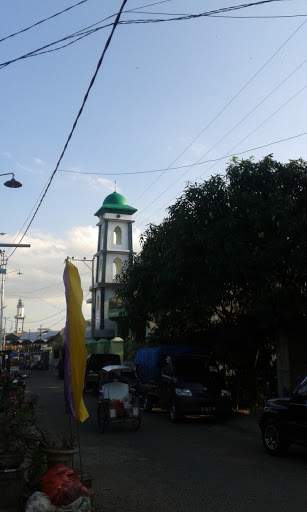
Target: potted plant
58 447
17 426
17 439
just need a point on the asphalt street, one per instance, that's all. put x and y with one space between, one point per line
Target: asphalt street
196 465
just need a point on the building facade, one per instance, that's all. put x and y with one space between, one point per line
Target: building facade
113 248
19 318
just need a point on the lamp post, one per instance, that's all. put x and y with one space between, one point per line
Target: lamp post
12 183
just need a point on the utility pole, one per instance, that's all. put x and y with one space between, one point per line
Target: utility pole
5 319
2 272
92 261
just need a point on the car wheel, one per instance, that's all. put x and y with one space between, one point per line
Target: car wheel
274 439
101 418
173 413
147 403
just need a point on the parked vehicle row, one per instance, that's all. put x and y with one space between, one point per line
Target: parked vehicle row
186 381
181 380
284 421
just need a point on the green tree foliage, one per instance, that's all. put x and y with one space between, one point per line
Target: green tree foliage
229 260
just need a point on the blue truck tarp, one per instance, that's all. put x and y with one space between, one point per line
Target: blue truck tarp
148 360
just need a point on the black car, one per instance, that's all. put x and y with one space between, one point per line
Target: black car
284 421
94 363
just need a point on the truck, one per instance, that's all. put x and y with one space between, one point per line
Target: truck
182 380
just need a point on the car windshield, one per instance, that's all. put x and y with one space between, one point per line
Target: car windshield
196 369
97 361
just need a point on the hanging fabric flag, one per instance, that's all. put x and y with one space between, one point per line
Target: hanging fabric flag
75 351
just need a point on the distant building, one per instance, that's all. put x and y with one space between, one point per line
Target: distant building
19 318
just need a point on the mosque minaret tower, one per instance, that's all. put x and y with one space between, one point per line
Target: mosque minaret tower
19 317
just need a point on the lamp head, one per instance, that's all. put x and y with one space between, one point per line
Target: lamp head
12 183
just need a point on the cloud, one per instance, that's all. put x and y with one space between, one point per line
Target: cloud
108 184
7 154
196 147
97 183
41 283
38 161
136 240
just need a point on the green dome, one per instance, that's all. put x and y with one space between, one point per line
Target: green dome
115 203
115 198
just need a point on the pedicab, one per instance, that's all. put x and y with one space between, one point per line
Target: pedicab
117 402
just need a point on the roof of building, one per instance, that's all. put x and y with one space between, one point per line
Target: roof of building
36 336
115 203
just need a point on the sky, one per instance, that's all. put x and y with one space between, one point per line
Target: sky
167 94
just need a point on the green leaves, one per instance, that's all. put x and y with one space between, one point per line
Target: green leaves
234 244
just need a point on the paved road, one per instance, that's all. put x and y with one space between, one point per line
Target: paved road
196 465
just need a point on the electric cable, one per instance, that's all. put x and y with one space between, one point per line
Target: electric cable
218 159
77 118
226 106
42 21
32 209
85 32
203 14
46 318
263 122
205 172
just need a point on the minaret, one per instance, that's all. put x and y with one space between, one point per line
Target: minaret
20 317
114 247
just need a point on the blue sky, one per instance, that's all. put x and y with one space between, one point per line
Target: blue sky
159 86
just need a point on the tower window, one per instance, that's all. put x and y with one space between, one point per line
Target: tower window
117 236
117 267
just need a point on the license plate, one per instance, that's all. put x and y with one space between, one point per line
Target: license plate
136 411
208 410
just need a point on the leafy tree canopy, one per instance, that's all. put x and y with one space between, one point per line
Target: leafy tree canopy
231 252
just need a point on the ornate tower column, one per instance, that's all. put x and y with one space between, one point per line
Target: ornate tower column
19 317
113 248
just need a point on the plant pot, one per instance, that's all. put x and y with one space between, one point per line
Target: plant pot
11 484
11 460
57 456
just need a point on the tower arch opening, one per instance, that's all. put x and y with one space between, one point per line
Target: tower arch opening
117 236
117 267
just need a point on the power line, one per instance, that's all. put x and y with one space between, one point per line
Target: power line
225 107
203 14
86 32
77 118
46 318
42 21
260 17
189 165
52 316
234 147
263 122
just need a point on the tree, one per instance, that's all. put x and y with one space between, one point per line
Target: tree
232 252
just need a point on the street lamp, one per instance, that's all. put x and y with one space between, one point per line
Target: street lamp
12 183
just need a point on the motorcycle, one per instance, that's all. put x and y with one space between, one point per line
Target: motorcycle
18 379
